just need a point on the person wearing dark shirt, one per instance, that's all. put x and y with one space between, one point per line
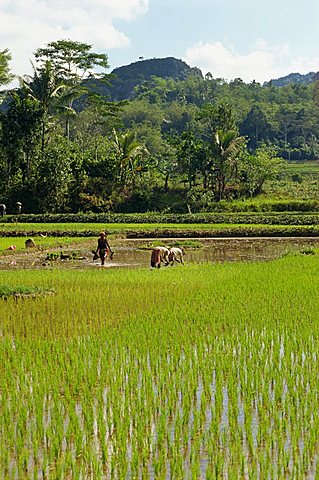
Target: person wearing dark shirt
103 247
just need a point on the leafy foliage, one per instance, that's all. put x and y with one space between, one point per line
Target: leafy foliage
177 142
5 75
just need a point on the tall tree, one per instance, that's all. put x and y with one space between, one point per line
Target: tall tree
73 62
45 87
226 148
218 117
256 169
188 149
21 131
166 162
287 126
5 75
256 127
54 175
130 155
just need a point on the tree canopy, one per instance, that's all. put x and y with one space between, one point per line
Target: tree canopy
69 141
5 75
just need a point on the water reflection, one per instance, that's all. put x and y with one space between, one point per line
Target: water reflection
220 249
134 253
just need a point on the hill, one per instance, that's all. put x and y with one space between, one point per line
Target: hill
296 78
129 76
123 80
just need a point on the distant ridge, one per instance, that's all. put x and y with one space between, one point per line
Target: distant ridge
127 77
122 81
296 78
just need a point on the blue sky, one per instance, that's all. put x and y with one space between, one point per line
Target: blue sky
251 39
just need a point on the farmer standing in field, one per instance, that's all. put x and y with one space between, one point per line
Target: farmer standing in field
3 209
103 247
18 208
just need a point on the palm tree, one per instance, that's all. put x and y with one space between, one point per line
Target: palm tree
130 154
226 147
44 87
65 105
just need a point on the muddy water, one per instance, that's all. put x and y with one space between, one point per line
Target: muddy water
129 254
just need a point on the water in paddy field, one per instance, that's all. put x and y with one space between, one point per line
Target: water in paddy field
137 253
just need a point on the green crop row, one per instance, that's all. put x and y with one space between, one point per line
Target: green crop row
237 206
204 371
271 218
159 231
155 231
22 292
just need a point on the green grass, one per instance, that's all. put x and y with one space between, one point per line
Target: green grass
88 230
300 182
201 371
43 227
41 243
307 168
112 229
22 292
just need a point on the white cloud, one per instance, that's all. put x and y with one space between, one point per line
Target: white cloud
27 25
262 63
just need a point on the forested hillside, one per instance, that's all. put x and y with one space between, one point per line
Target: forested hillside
294 78
153 135
126 78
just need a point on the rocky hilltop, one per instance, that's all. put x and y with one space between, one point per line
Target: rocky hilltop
126 78
296 78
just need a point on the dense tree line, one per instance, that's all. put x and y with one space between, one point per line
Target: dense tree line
175 142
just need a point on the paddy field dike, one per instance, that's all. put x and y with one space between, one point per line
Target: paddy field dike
207 370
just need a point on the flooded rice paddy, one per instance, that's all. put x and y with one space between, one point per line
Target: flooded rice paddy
206 372
136 253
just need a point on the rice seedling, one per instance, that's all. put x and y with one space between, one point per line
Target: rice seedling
115 377
23 292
